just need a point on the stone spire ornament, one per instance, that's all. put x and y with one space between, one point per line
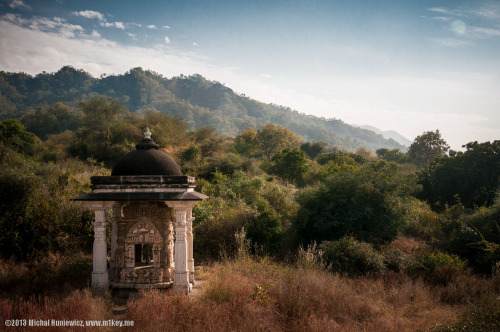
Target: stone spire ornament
147 142
147 134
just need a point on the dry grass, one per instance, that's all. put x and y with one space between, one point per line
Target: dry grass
53 275
79 305
409 245
258 295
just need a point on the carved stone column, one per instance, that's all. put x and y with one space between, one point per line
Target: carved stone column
189 238
181 271
100 255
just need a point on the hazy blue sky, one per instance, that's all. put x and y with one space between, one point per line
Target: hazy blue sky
410 66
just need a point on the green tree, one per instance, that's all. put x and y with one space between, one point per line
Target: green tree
427 146
190 154
366 203
392 155
473 176
104 135
364 153
290 165
208 141
13 135
247 143
313 149
53 119
239 200
340 158
36 214
276 138
166 130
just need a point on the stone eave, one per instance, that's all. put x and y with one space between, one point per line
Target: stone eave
141 196
182 180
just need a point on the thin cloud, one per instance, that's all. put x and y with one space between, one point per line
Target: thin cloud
167 40
486 32
90 14
195 44
118 25
166 27
490 11
152 26
19 4
441 18
55 25
95 34
445 11
132 35
17 19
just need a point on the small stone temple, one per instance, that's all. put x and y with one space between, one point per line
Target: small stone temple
151 222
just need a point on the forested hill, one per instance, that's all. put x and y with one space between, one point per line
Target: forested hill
199 101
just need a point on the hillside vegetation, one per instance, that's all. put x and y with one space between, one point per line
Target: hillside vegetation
198 101
295 235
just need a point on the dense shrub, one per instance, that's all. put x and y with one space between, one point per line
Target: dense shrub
470 234
441 268
422 222
473 176
290 165
437 260
368 203
214 238
483 249
241 200
397 260
36 214
351 257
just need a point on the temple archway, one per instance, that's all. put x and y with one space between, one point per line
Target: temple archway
143 244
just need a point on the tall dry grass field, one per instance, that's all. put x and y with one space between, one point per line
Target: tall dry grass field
256 294
249 294
79 305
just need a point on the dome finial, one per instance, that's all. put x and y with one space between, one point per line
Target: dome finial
147 142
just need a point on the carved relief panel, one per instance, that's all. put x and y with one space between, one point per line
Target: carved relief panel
145 228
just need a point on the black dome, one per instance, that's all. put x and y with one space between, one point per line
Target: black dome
146 160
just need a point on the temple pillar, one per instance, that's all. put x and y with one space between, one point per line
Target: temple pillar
181 273
99 253
182 283
189 238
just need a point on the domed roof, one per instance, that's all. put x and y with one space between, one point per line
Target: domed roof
146 159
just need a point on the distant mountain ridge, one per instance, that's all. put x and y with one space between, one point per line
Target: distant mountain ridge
388 134
199 101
